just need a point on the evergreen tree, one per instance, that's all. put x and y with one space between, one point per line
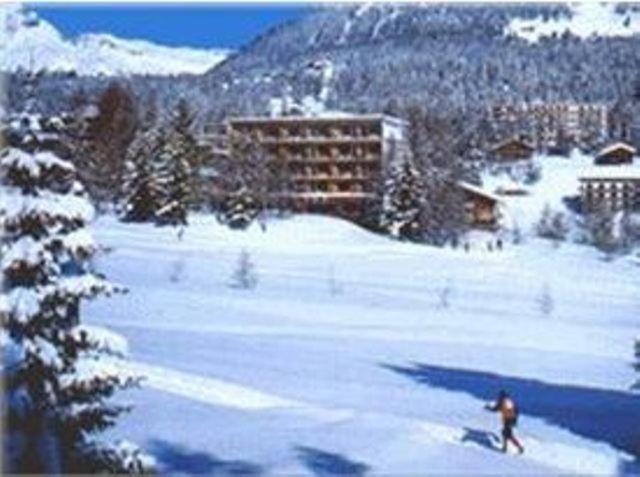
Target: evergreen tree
244 277
142 190
249 184
438 148
545 300
403 202
175 178
58 374
181 160
600 225
186 147
239 209
552 225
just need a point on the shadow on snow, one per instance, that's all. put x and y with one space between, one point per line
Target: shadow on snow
603 415
489 440
174 459
322 463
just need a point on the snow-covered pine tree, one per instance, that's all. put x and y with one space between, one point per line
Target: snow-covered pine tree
247 177
180 156
600 228
552 225
176 184
142 189
545 300
438 154
244 276
58 374
402 202
174 179
239 209
181 127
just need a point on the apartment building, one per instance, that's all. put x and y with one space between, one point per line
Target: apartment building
551 125
333 162
611 188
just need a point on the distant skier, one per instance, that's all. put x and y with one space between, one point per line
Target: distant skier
508 410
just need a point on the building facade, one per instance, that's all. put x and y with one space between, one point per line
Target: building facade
551 125
611 188
333 163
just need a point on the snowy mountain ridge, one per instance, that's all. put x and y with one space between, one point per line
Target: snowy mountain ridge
31 43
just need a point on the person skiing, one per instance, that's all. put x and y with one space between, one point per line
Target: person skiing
508 410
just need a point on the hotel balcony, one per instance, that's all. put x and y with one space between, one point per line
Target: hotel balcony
330 178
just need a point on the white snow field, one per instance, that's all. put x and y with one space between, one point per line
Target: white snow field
358 354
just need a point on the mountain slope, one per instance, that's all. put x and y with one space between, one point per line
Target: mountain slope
444 56
452 59
28 42
587 19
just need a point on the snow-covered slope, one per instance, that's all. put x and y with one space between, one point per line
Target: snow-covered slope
31 43
557 186
355 352
559 180
587 19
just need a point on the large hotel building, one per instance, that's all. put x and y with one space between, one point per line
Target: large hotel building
545 122
333 163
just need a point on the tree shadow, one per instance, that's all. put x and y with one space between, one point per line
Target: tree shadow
486 439
174 458
609 416
322 463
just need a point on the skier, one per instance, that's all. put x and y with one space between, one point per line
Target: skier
508 410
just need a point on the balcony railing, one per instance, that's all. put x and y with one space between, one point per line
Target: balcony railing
318 139
330 178
371 158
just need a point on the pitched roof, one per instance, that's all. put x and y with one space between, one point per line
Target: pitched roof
511 141
478 191
616 146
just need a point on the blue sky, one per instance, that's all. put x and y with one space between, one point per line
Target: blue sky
208 26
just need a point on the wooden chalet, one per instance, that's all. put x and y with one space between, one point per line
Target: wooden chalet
615 154
482 208
512 150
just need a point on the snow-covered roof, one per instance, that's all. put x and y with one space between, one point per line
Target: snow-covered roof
624 172
510 141
331 115
616 146
479 191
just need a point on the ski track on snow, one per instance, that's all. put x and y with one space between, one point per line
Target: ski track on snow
217 392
